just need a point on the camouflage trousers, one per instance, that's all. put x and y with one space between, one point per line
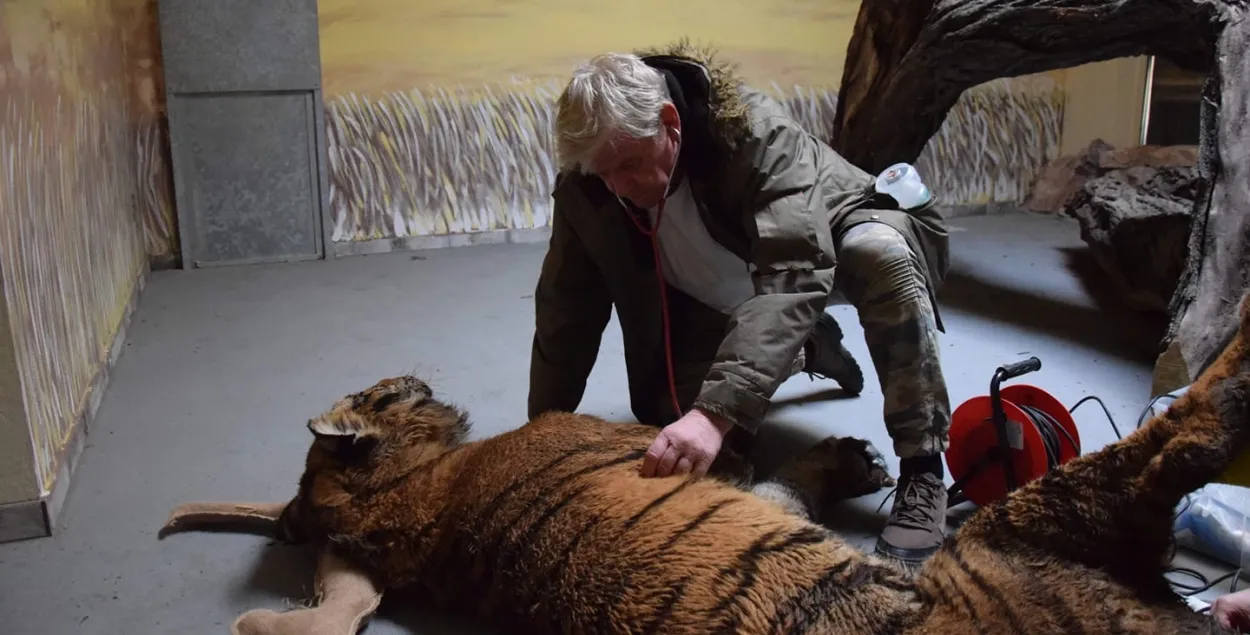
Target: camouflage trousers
880 276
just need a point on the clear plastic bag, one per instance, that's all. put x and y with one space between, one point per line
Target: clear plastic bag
1213 521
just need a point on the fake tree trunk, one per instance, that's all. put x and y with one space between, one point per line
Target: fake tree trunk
910 60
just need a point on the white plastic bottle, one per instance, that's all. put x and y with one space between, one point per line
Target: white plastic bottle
903 183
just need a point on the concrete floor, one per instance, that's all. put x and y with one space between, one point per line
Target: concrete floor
223 368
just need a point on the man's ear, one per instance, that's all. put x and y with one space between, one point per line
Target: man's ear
350 436
669 116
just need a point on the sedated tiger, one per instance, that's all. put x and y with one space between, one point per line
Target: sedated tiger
550 527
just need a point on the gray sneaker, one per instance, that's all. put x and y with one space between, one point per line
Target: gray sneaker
915 528
828 358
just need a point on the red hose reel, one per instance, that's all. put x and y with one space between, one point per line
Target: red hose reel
1037 430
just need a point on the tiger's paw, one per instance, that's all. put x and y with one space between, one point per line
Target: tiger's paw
835 469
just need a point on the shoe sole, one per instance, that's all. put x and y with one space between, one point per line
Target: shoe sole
907 556
854 384
853 381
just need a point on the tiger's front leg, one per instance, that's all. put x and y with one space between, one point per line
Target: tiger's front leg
833 470
347 598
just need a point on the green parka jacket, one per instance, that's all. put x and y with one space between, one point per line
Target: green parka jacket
769 192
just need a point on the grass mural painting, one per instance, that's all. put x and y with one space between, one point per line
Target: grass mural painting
441 161
440 115
78 164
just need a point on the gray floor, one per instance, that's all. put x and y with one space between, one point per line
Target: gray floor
223 367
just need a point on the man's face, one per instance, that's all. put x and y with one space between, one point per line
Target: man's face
639 169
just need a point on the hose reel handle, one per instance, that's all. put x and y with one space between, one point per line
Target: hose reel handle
1009 371
1024 367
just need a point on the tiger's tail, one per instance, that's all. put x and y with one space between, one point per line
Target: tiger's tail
241 517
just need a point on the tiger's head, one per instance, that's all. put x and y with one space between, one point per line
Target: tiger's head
366 443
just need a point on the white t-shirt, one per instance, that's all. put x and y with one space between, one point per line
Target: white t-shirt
692 259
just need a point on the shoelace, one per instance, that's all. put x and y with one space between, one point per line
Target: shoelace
917 499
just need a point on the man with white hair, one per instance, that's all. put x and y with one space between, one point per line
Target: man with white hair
669 164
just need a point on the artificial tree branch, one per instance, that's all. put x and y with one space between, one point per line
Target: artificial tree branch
909 61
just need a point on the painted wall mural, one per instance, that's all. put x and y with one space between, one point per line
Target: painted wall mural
439 113
995 141
75 102
156 196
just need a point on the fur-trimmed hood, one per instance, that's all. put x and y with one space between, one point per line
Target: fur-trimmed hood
706 92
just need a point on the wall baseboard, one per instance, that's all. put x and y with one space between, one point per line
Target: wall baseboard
165 262
38 518
24 520
541 234
978 209
415 243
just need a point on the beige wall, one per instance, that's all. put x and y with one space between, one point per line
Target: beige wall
1104 100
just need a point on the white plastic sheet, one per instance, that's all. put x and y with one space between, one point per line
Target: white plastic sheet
1213 521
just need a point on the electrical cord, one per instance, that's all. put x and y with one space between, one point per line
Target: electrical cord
1142 417
1110 418
1187 591
1050 431
1181 588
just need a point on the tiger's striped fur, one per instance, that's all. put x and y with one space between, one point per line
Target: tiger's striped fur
550 528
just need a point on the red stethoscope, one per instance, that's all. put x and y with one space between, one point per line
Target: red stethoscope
654 234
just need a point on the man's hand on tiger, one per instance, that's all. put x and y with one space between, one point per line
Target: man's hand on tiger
1232 611
688 445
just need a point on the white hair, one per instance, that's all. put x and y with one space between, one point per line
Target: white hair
613 93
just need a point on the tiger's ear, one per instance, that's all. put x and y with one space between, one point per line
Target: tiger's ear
349 435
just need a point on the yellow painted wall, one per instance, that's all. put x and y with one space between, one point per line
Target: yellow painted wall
1105 100
370 47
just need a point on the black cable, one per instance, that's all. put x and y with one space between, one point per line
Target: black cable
1142 417
1204 585
1050 430
1190 589
1110 418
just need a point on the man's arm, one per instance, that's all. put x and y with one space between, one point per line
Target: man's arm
571 308
793 264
